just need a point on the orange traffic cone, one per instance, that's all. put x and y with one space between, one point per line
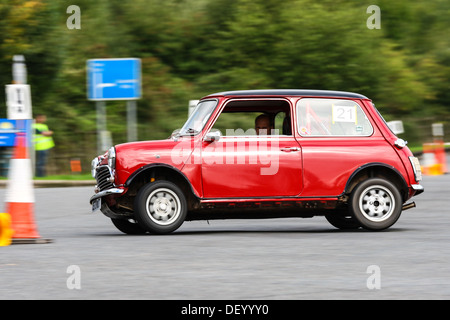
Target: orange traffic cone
430 165
439 153
5 229
19 201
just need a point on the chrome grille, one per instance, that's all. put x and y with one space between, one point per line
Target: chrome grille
102 176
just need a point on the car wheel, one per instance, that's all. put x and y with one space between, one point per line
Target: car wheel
160 207
376 204
128 226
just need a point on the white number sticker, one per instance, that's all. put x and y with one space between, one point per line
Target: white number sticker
344 114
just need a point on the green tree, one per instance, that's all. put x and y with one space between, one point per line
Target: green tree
190 48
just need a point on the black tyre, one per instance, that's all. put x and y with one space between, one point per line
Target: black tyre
341 219
160 207
128 226
376 204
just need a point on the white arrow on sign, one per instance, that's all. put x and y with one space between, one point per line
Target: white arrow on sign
18 101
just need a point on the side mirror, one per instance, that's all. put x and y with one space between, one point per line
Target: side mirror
175 132
212 136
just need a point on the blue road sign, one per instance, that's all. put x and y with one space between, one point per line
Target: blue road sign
114 79
9 129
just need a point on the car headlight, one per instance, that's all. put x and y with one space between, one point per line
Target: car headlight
94 165
416 167
112 158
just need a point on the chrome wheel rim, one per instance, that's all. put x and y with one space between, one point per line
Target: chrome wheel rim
163 206
377 203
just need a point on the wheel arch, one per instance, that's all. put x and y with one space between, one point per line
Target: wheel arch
378 170
155 172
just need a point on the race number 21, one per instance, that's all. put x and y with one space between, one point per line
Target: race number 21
344 114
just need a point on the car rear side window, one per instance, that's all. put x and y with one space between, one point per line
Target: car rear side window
331 117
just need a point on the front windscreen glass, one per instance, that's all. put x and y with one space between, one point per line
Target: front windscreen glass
198 118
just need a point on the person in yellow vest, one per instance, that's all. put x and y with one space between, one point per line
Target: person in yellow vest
43 142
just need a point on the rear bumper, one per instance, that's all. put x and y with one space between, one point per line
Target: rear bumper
418 189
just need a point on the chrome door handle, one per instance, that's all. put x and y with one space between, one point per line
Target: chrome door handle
290 149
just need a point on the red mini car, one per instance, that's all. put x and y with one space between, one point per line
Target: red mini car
262 154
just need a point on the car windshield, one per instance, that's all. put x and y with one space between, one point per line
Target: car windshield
198 118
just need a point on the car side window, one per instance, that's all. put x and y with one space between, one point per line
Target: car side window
236 123
254 117
331 117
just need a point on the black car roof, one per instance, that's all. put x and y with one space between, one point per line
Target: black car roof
291 92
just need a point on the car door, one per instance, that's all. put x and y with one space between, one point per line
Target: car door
249 166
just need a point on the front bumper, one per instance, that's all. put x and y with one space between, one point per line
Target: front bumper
106 193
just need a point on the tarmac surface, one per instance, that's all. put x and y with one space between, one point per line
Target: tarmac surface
270 259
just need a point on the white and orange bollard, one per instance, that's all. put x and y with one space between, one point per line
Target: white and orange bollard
439 153
19 199
430 166
434 161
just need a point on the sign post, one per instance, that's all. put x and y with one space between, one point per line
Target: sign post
18 101
132 120
114 79
19 70
19 110
192 105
